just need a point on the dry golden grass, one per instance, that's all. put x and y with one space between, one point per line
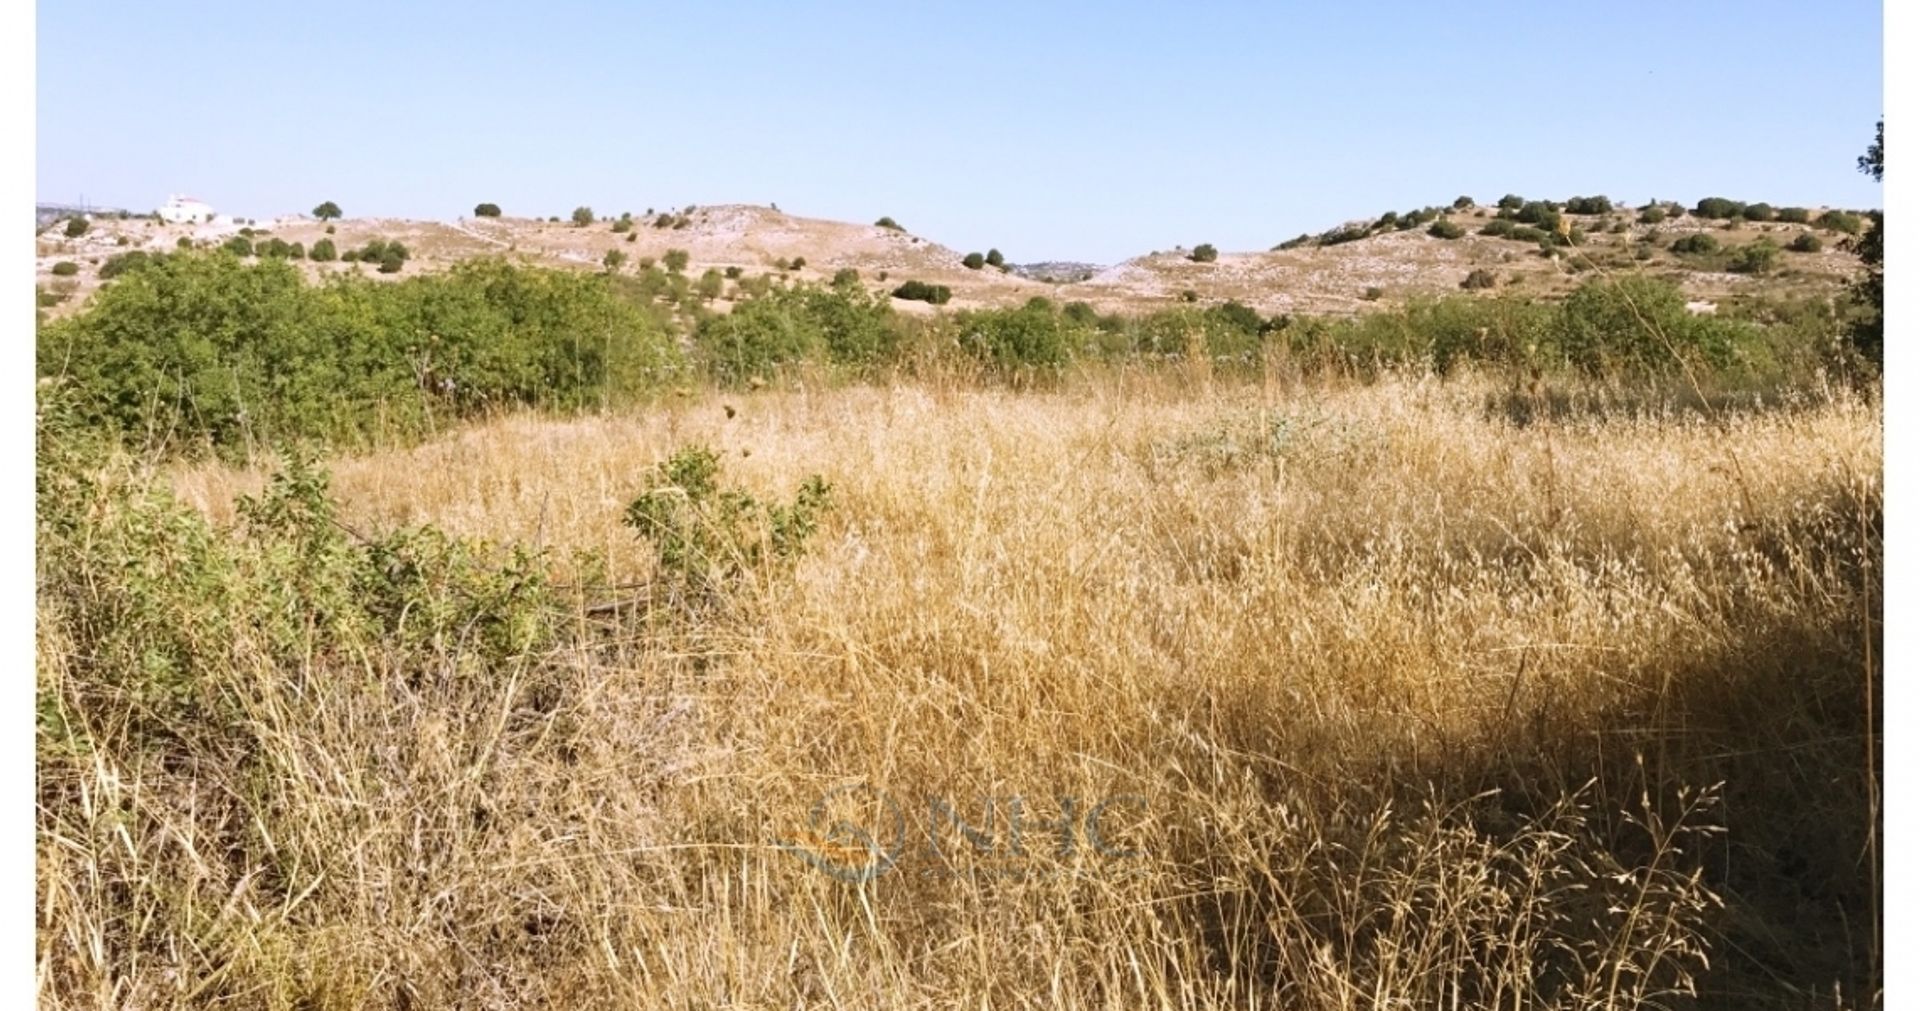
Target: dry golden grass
1412 706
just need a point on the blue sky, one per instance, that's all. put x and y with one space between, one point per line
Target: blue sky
1089 131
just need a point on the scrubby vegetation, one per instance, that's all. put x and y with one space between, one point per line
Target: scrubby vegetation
1204 253
486 210
921 291
512 637
202 351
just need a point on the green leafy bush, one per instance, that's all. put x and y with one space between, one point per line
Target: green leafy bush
327 211
710 540
1719 208
784 325
1539 213
973 261
994 259
1204 253
76 227
1839 221
889 223
323 251
1756 257
221 353
1479 278
1805 242
1589 205
1699 243
1652 214
239 245
1499 228
1793 215
486 210
65 268
675 260
1445 229
1757 212
614 260
1639 323
1461 203
1033 336
124 262
582 216
1512 202
921 291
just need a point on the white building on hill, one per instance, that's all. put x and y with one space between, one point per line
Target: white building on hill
183 210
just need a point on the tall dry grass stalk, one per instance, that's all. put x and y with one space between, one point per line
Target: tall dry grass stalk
1412 705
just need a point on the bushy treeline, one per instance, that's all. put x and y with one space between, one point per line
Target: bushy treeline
202 350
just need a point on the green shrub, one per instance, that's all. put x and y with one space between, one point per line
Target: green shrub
780 326
239 351
623 224
846 277
1512 202
1652 214
733 273
392 261
1539 213
1639 322
1528 233
327 211
1204 253
1699 243
921 291
1589 205
1756 257
323 251
183 243
486 210
1031 337
1462 203
1793 215
1479 278
1805 242
582 216
65 268
994 259
117 265
1757 212
1444 229
614 260
710 285
1839 221
1499 228
1373 294
973 261
675 260
709 540
76 227
797 263
1719 208
889 223
239 245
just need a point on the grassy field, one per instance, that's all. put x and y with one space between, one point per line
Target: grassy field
1402 694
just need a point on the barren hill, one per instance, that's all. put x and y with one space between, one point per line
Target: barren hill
1383 268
